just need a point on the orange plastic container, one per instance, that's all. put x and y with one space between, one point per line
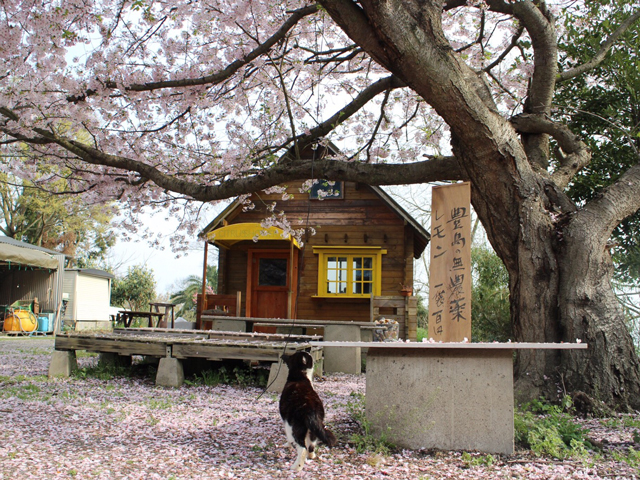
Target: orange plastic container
20 321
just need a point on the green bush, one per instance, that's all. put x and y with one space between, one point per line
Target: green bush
422 333
490 297
550 430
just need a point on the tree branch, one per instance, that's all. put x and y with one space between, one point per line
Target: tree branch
220 76
578 154
514 41
543 39
600 55
286 170
352 19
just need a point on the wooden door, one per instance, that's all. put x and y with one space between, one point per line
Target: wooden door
270 284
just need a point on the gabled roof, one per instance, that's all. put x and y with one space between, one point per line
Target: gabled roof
18 243
421 237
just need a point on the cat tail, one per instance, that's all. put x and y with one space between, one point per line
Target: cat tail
325 435
329 438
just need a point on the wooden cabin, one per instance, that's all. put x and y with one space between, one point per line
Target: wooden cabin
356 263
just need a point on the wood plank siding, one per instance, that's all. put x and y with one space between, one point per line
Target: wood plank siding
361 218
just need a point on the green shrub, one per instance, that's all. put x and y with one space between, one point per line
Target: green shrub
422 333
548 430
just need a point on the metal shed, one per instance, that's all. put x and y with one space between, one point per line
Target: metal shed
28 272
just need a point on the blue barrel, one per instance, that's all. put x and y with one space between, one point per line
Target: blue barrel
43 323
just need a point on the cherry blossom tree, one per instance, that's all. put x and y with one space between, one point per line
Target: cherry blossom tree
180 103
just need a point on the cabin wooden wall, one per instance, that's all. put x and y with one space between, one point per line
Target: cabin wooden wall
361 218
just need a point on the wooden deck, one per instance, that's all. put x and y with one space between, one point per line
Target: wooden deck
183 344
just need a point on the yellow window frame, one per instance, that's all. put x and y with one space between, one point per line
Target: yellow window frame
324 253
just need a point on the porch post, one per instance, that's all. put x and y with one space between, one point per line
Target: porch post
203 303
291 272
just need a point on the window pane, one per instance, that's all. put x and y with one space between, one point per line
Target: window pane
362 275
326 189
273 272
337 275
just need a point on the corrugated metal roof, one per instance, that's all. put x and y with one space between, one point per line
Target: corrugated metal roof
21 253
18 243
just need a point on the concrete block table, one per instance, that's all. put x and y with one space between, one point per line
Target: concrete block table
448 396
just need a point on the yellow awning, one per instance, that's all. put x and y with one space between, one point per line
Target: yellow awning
227 236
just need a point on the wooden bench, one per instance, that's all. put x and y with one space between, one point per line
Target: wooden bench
127 317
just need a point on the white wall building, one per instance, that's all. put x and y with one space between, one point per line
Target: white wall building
89 293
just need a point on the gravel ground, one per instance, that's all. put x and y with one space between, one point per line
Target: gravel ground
127 428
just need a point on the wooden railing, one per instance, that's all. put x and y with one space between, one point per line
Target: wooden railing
215 304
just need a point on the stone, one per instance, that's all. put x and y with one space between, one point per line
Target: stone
342 359
442 399
63 363
170 372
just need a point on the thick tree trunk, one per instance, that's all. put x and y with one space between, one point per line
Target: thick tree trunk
561 292
556 258
590 311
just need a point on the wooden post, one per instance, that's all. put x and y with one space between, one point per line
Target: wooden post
291 273
450 268
203 303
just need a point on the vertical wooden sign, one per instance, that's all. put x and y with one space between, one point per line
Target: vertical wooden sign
450 268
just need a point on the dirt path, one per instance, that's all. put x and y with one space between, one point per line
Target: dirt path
127 428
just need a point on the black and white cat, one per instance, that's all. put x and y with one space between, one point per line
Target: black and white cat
301 409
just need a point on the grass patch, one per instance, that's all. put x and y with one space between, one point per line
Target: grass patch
25 392
365 441
160 404
84 353
102 372
6 380
108 370
631 458
477 460
22 387
34 351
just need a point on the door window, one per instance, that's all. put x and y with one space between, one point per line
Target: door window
272 272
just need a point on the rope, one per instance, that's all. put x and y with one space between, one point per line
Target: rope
314 148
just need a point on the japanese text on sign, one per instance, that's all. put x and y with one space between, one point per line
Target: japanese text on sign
450 277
